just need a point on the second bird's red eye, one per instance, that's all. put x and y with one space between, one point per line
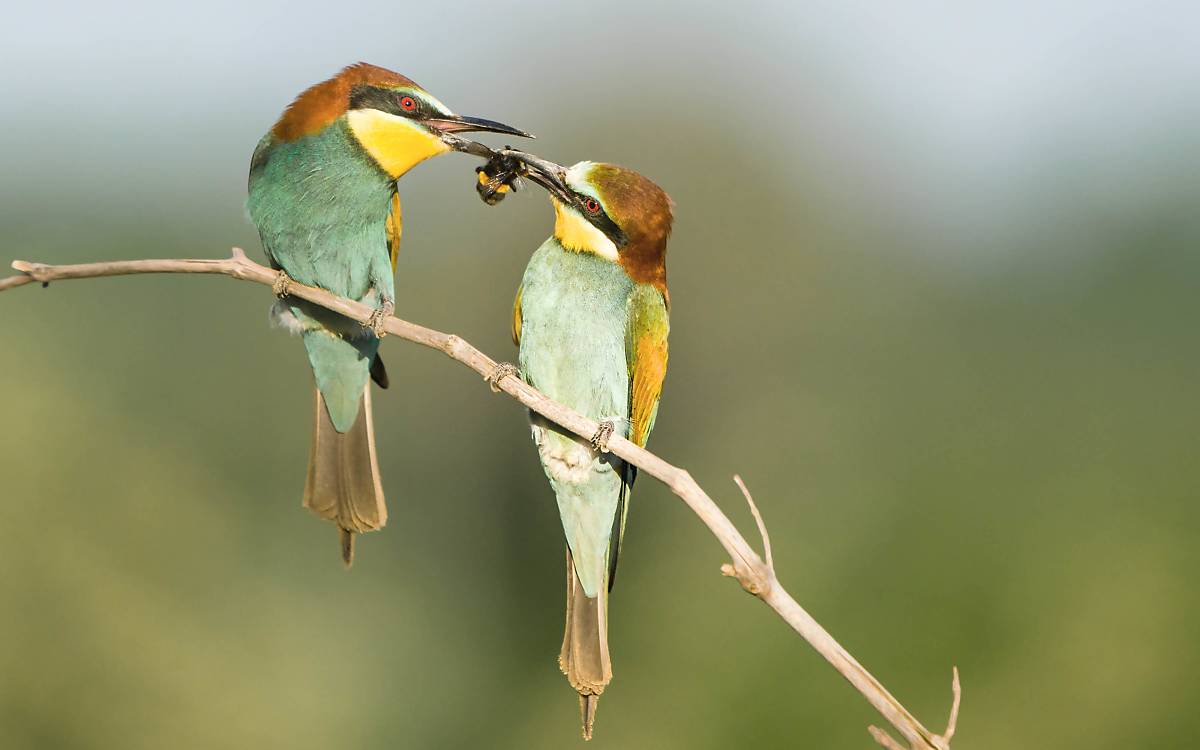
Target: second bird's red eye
592 205
408 104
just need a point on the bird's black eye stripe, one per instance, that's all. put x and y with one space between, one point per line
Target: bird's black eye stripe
385 100
599 219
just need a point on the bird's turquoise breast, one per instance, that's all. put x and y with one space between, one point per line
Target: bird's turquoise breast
321 205
574 316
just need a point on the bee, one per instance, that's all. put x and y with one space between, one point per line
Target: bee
501 175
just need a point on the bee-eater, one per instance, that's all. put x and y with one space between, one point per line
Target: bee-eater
322 193
591 323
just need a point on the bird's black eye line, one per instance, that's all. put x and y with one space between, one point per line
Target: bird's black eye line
386 100
596 216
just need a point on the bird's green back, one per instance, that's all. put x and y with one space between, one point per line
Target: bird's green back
321 208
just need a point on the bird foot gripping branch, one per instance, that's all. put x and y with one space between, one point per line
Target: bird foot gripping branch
282 285
599 441
379 317
502 371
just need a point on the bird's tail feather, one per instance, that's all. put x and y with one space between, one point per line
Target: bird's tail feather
584 656
343 482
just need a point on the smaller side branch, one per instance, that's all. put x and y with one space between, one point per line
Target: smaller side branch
12 282
755 575
942 741
758 519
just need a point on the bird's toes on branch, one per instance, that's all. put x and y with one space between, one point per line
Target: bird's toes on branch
379 317
604 431
282 285
500 372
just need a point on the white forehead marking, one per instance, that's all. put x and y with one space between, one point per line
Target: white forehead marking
577 179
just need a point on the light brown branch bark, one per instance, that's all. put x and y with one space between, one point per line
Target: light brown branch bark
755 575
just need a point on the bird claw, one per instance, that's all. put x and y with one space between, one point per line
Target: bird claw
378 320
600 439
502 371
282 284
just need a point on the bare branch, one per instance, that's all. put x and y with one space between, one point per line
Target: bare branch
942 741
758 519
756 575
15 281
885 739
952 724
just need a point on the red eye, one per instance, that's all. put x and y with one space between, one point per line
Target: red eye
592 205
408 104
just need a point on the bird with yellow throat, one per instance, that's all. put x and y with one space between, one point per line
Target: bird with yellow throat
322 193
591 323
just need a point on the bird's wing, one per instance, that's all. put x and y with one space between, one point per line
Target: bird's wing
516 317
394 225
646 358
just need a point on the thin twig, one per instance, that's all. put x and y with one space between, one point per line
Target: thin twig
885 739
15 281
952 724
939 741
755 574
758 519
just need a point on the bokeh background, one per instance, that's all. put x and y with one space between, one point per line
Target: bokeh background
935 281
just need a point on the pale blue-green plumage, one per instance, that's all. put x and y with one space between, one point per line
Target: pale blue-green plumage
573 337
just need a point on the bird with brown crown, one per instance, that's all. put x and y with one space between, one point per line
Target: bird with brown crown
322 193
591 322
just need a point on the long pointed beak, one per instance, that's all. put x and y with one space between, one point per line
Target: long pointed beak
549 175
449 125
463 124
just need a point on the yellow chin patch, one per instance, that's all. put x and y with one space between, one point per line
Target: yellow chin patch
576 233
397 144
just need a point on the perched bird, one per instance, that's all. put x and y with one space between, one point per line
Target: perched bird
591 322
322 193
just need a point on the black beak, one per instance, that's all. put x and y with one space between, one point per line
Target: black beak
462 124
451 124
549 175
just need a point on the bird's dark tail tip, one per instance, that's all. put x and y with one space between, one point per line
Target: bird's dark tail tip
587 713
347 547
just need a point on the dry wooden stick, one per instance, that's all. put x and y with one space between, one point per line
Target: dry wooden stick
754 574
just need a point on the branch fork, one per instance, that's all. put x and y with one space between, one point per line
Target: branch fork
937 741
755 574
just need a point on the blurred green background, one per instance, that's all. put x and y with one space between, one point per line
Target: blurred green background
934 277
